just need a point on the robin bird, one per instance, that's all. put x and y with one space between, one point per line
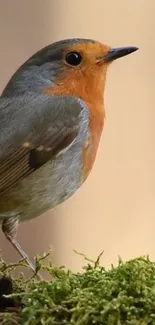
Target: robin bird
51 120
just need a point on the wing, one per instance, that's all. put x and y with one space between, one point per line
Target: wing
34 130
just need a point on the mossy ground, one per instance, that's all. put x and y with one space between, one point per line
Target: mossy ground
121 295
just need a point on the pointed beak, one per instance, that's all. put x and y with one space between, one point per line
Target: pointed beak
116 53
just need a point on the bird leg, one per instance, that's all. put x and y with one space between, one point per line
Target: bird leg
9 228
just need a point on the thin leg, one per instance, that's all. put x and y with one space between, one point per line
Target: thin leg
9 227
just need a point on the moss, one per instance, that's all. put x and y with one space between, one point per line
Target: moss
121 295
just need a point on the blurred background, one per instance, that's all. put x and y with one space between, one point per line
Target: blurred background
114 211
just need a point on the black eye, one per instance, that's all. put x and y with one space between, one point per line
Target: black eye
73 58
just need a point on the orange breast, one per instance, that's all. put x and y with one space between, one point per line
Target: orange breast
92 94
96 123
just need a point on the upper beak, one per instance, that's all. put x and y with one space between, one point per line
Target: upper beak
116 53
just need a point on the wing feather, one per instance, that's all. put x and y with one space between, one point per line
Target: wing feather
32 132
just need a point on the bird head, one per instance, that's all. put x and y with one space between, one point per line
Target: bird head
75 66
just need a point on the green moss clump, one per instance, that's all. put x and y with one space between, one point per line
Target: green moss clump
121 295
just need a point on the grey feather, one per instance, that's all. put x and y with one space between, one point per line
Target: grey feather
30 117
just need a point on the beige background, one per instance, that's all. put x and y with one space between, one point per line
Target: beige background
115 208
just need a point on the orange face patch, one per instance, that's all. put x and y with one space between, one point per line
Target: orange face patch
86 81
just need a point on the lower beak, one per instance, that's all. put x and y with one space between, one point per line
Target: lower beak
116 53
